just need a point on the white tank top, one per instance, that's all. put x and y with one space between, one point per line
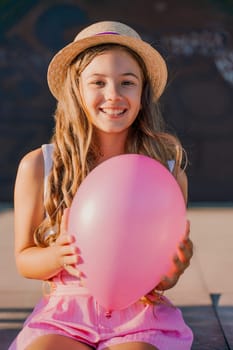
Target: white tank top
47 151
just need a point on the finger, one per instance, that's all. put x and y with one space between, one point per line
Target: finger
187 229
185 250
189 248
179 266
183 261
167 282
73 271
67 260
65 239
64 220
68 250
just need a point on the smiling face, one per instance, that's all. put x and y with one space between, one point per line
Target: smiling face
111 88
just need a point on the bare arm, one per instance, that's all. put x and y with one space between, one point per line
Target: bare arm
32 261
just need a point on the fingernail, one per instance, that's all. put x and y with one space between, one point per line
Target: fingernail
73 237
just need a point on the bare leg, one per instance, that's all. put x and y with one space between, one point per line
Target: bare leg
58 342
132 346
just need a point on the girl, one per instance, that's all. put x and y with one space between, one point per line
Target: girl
107 83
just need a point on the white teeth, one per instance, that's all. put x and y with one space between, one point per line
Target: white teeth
113 111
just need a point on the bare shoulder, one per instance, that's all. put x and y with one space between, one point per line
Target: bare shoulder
31 170
32 163
183 182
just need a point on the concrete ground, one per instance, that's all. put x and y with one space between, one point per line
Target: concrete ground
204 292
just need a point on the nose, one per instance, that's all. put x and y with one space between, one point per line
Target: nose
113 92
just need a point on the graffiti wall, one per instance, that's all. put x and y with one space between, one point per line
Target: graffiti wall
194 36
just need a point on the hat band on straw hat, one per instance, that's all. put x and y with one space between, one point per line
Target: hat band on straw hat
103 33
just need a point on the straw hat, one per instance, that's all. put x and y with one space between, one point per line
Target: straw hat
103 33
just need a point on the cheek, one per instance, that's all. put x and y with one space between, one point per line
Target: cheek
138 97
86 100
85 103
91 99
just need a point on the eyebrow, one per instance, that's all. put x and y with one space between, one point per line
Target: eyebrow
131 74
124 75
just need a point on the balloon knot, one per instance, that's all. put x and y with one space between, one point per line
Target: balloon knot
108 314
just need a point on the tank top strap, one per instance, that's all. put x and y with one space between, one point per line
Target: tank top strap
171 165
47 150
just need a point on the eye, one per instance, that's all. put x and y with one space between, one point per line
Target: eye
99 83
128 83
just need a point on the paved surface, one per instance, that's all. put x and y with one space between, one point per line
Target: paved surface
204 293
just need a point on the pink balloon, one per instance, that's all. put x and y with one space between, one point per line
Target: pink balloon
128 216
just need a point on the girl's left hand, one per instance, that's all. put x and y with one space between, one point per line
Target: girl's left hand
180 262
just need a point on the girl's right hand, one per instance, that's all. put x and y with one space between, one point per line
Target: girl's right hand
65 249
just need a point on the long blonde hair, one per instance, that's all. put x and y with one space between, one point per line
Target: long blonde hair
76 150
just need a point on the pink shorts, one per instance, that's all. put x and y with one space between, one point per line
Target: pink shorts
71 311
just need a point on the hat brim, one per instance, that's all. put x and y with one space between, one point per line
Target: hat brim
154 62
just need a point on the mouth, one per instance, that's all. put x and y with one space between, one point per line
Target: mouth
113 112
